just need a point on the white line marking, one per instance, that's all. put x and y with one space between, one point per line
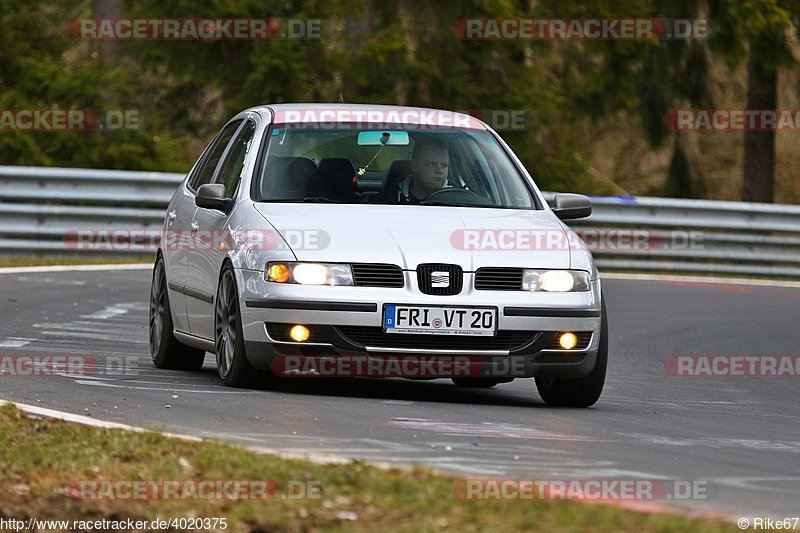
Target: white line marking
49 347
94 336
700 279
486 429
72 327
456 466
81 376
204 382
51 280
751 483
113 311
86 421
75 268
69 417
15 342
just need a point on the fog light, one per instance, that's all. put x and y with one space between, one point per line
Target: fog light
299 333
567 340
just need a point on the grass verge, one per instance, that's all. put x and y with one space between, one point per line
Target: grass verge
44 458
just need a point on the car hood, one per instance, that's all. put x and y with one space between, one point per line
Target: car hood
410 235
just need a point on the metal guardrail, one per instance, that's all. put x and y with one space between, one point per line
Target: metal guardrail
39 207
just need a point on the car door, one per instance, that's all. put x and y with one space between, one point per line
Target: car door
176 241
205 262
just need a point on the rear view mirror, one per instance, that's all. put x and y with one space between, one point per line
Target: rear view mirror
212 196
385 138
571 206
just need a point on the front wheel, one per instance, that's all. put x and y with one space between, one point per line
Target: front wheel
232 365
165 349
580 392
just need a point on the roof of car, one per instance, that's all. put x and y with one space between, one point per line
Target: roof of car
371 114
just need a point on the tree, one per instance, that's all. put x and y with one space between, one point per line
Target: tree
675 72
757 31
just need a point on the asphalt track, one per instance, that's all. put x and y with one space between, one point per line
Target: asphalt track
737 438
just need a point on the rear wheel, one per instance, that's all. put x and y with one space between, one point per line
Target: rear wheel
232 365
475 383
165 349
580 392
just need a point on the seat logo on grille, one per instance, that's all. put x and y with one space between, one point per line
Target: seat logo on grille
440 279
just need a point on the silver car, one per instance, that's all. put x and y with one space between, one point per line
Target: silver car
342 240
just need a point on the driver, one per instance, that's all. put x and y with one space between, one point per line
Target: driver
429 168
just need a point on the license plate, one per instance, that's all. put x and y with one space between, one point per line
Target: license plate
440 320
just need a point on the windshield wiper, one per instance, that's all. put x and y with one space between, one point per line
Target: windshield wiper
321 199
307 199
451 204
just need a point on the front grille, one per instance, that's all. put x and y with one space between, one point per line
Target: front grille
376 337
377 275
280 332
453 275
584 339
498 279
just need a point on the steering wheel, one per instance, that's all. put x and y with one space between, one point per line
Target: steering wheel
456 195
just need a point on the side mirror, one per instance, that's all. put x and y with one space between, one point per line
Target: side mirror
212 196
570 206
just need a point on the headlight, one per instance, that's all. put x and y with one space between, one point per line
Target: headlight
309 273
555 280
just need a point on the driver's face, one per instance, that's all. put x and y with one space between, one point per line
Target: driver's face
430 170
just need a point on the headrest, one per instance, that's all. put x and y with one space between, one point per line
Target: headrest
336 179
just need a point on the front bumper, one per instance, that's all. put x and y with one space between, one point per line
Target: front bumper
533 319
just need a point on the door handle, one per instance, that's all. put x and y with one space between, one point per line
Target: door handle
195 226
171 215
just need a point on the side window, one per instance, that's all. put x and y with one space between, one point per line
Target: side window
205 173
231 172
198 166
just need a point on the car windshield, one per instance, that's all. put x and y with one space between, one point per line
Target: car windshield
400 166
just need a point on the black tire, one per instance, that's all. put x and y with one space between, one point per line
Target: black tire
475 383
165 349
232 365
580 392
